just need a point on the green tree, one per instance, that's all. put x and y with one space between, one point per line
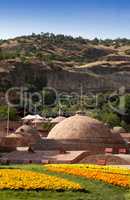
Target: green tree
4 113
111 118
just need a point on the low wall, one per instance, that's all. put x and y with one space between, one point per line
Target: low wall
73 145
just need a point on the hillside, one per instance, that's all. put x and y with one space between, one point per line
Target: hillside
65 63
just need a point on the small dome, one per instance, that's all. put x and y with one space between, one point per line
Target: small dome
81 127
79 112
28 133
118 129
14 135
26 129
58 119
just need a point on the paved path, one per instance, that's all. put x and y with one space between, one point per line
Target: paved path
122 166
124 156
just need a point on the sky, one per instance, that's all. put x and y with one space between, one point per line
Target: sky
86 18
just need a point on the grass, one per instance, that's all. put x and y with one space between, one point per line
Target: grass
96 190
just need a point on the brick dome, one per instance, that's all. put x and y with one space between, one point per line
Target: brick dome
83 127
26 133
26 129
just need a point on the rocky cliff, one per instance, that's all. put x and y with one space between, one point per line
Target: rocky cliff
98 77
64 63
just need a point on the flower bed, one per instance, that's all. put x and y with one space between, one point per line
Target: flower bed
20 179
112 175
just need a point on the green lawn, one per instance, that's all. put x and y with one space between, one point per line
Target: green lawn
95 190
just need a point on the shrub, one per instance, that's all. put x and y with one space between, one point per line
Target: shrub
111 118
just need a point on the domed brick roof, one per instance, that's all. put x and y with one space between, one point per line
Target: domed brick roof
28 133
82 127
26 129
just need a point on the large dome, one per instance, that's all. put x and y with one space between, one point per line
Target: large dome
81 127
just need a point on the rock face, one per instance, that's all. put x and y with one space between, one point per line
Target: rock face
98 77
64 63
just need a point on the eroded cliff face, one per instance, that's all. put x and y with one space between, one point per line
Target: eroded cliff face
110 75
20 74
71 81
92 79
